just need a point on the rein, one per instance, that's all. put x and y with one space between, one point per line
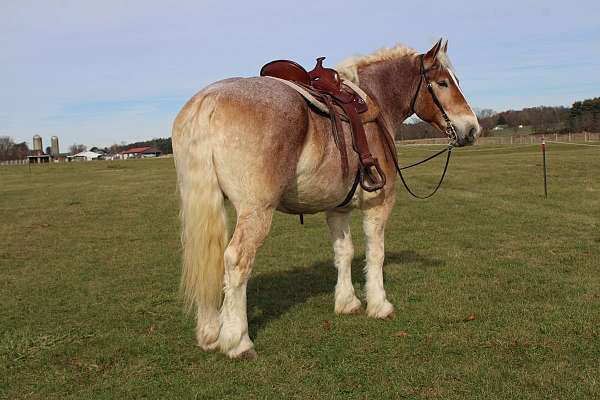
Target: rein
450 131
447 149
390 145
392 149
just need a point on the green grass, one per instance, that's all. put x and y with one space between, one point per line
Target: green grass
89 270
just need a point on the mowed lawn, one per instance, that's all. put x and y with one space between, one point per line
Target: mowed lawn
497 290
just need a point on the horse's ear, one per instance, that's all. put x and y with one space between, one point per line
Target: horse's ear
431 55
445 46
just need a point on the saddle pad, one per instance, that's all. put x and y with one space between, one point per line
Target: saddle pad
311 99
319 104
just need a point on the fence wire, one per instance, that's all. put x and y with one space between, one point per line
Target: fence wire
574 144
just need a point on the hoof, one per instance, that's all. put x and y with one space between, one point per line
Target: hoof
248 355
357 311
208 341
351 308
244 349
391 316
209 347
384 311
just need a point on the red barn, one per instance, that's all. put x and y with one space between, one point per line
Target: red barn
141 152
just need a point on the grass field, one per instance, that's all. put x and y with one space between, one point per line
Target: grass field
89 270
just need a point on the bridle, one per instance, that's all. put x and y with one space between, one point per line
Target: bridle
450 129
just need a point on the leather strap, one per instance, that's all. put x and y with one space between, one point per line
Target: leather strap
338 134
350 194
392 150
369 165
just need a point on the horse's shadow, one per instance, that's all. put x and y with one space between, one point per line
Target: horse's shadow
274 293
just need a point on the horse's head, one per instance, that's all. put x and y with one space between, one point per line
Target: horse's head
439 100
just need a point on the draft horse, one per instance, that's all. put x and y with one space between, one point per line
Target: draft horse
256 142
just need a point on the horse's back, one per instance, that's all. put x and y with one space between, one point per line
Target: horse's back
237 106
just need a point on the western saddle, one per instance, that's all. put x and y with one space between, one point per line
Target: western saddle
326 85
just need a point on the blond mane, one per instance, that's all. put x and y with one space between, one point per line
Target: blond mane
348 68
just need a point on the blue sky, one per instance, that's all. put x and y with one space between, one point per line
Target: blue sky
103 72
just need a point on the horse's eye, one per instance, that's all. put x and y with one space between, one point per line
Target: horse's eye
443 83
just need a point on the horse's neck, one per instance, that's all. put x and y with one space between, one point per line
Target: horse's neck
392 84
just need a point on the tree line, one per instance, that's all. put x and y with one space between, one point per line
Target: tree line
163 144
585 115
9 150
581 116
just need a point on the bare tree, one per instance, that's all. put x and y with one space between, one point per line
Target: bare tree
7 145
77 148
484 112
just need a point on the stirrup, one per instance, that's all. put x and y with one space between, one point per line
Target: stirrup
378 181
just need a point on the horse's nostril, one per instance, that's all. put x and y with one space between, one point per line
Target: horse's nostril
472 132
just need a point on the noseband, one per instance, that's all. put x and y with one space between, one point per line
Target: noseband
450 129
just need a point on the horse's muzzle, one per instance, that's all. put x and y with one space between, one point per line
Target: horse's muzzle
470 137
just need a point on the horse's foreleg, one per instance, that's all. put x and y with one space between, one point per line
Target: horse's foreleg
253 225
374 220
346 301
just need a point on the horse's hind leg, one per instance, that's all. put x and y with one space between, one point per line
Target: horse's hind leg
253 225
374 220
346 301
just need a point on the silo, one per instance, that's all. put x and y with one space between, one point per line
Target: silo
37 143
55 151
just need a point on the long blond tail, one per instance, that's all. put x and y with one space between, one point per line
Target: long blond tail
203 217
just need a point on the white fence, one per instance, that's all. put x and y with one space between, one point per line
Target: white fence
24 162
14 162
522 139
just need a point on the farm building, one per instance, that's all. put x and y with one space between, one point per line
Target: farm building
141 152
85 156
38 157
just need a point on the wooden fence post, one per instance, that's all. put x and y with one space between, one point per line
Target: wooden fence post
544 162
